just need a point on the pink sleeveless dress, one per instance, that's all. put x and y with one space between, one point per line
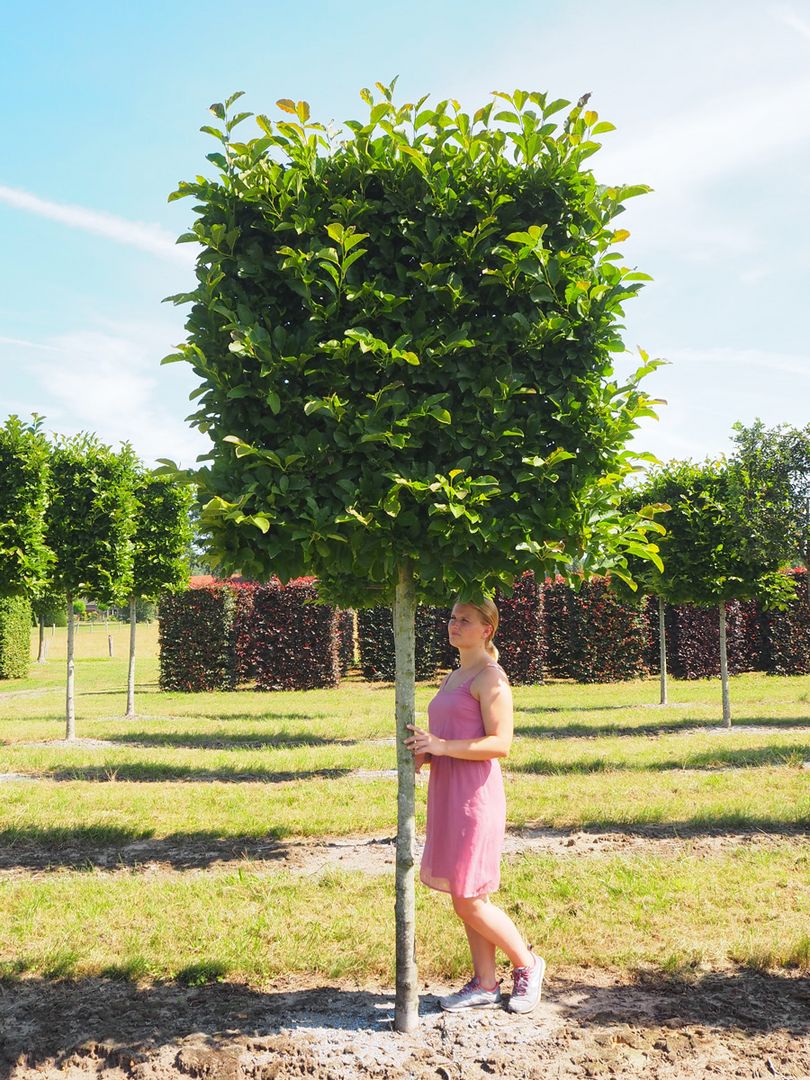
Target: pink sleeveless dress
466 804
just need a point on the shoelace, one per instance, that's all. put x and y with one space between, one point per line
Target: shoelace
521 980
471 986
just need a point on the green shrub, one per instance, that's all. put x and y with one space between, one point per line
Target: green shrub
15 637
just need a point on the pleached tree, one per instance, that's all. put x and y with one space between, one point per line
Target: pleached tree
403 335
89 530
721 544
161 543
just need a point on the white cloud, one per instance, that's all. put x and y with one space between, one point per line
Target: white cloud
761 359
142 235
791 18
108 381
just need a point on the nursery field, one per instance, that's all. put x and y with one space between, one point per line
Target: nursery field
224 858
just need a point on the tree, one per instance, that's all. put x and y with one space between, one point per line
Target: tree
24 471
403 335
89 529
160 544
720 544
775 466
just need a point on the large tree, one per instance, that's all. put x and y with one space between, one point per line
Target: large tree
161 541
720 544
89 529
403 333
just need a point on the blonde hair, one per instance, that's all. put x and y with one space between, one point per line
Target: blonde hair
489 614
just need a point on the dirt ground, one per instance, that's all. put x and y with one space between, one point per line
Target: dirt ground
589 1024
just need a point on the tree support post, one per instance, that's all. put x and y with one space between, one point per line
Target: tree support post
406 1012
724 666
130 715
70 711
662 648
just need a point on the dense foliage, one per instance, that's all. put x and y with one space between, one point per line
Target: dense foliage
90 520
592 636
162 535
24 473
403 338
15 637
197 640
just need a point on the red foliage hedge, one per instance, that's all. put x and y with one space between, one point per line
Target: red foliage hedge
786 634
591 635
197 639
294 640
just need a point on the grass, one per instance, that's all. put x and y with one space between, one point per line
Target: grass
215 771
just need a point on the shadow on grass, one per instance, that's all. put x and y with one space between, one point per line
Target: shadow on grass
113 847
157 772
108 1024
582 730
243 740
710 760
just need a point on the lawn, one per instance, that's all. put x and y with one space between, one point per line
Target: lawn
220 770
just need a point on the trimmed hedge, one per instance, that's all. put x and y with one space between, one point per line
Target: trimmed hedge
786 634
15 637
197 639
346 633
375 636
591 635
521 637
294 639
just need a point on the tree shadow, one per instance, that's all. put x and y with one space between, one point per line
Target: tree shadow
207 1027
687 724
243 740
159 772
699 825
707 761
114 847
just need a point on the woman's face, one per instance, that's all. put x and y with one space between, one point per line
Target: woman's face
466 628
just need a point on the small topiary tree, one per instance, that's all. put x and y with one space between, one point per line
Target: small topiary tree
89 529
403 336
161 543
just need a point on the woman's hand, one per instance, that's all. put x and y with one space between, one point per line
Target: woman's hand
422 742
419 760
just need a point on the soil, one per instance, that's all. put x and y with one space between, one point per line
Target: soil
589 1024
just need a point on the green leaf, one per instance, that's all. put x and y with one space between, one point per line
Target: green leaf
286 105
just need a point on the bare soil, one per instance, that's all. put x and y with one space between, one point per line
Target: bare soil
589 1024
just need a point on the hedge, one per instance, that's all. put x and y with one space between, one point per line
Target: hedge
295 643
521 637
592 635
198 640
375 638
786 634
346 635
15 637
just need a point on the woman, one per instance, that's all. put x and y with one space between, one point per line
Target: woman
471 727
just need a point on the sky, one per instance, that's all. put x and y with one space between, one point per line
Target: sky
103 105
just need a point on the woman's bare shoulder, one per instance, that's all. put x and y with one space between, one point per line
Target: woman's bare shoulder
492 675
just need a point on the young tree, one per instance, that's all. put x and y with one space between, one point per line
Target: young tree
775 465
90 525
160 547
24 473
404 334
718 545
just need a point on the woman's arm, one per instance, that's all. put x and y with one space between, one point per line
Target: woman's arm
495 697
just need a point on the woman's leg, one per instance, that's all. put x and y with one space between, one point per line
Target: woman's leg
483 958
489 922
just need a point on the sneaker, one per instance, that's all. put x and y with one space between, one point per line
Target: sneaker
526 987
471 996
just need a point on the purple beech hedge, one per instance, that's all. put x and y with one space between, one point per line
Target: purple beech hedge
276 637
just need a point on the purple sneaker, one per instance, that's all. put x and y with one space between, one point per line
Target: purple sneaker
526 988
471 996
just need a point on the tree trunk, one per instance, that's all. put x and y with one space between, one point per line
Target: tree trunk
70 726
41 652
131 672
662 648
406 1013
724 667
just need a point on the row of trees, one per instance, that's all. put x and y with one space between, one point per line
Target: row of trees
731 526
77 517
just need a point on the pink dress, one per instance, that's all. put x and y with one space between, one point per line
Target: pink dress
466 804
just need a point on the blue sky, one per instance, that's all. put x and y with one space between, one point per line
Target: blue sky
103 106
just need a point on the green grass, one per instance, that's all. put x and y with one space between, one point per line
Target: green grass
210 772
250 926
